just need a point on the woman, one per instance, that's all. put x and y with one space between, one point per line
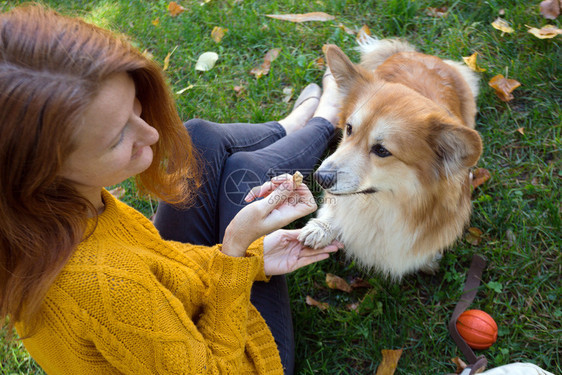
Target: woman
88 282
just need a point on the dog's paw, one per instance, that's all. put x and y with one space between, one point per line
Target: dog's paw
316 234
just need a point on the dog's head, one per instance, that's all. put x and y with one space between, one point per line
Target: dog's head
395 140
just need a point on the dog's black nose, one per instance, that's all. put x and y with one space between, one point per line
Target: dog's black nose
325 178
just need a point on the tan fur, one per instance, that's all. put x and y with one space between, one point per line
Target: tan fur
421 109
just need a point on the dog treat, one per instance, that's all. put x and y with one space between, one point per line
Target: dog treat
297 178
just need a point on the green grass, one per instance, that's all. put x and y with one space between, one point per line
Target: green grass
518 209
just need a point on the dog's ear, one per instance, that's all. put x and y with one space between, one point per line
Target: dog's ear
344 71
457 147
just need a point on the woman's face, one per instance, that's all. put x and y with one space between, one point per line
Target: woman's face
112 142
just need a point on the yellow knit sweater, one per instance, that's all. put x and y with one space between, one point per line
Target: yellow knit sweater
130 302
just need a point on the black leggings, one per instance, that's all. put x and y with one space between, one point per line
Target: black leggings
235 158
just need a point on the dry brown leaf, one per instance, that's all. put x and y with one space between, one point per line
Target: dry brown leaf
389 362
521 131
314 16
359 283
437 12
470 61
346 29
363 33
545 32
460 364
473 236
167 59
264 68
502 25
550 9
218 33
336 282
239 90
312 302
503 87
118 192
175 9
479 176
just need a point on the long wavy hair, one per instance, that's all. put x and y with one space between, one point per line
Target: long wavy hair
51 67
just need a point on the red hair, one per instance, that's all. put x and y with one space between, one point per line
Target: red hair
51 67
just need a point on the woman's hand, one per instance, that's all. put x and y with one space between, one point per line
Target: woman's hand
283 203
284 253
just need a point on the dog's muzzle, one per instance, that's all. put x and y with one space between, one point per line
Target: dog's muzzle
325 178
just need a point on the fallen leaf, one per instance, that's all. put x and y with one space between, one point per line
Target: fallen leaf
360 283
314 16
184 90
218 33
460 364
175 9
550 9
479 176
346 29
437 12
353 306
502 25
239 90
320 62
312 302
521 131
167 59
473 236
156 22
206 61
470 61
264 68
336 282
288 92
118 192
545 32
363 33
503 87
389 362
146 53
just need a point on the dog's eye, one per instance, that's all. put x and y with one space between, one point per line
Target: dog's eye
348 129
380 151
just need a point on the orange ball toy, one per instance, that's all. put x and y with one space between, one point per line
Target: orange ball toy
477 328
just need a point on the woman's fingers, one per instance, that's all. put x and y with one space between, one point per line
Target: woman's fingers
267 188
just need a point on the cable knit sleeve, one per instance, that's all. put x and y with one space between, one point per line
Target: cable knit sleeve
150 330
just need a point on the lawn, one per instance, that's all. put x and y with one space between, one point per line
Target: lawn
518 210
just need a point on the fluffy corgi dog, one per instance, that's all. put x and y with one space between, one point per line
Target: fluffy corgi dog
397 188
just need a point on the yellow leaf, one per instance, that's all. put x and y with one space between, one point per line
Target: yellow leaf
473 236
336 282
175 9
184 89
312 302
503 87
502 25
146 53
521 131
545 32
314 16
264 68
206 61
363 33
218 33
167 59
471 62
346 29
389 362
239 90
156 22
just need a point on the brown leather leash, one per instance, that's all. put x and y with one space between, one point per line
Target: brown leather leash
475 364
